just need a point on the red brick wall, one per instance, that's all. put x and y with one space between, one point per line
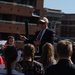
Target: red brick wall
15 28
16 10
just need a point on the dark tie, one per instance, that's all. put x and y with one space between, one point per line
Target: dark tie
39 35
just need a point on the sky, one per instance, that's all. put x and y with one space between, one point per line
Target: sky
66 6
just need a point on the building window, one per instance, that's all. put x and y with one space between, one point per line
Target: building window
65 22
20 19
27 2
5 17
7 0
53 25
0 17
33 3
18 1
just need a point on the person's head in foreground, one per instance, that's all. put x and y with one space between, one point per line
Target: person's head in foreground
64 49
10 55
29 51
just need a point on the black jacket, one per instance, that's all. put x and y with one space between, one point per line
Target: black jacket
63 67
47 37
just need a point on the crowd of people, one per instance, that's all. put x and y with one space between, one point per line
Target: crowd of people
15 62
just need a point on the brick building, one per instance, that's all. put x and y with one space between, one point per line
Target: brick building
62 24
54 17
19 16
68 26
23 15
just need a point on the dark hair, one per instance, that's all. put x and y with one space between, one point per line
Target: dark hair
29 51
10 55
9 37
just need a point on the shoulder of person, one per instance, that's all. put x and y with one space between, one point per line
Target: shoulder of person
39 68
50 68
49 30
2 71
38 31
37 63
14 72
73 65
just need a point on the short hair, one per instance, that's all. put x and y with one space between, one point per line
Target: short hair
29 50
64 47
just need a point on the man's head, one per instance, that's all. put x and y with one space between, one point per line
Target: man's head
64 48
43 22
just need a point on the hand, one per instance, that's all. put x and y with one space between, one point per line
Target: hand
23 37
37 42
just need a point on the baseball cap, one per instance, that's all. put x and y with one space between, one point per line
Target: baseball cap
44 20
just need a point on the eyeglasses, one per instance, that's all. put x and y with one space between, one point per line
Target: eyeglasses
41 23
